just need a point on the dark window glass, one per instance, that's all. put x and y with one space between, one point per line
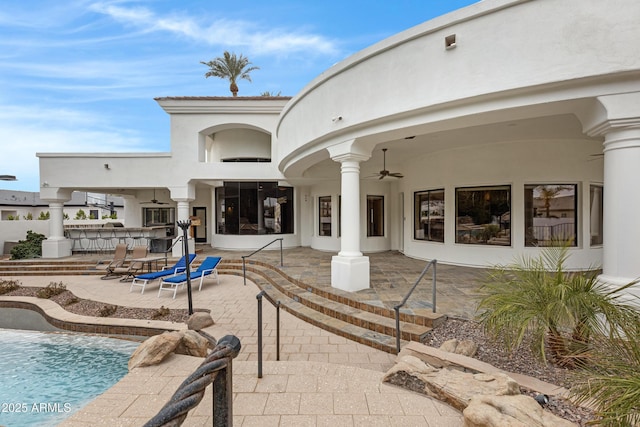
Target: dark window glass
550 214
254 208
429 215
375 216
324 216
483 215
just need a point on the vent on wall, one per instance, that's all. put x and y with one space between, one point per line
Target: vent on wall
450 42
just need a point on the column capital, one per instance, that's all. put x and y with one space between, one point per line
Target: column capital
610 113
350 157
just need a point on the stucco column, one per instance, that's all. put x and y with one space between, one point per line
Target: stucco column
350 269
616 118
56 245
621 225
183 214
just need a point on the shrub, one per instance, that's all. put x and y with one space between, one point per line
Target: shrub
29 216
44 215
611 378
7 286
161 312
107 310
562 310
81 214
29 248
51 290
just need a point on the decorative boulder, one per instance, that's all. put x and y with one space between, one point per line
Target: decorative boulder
465 347
456 388
155 349
509 411
193 344
199 320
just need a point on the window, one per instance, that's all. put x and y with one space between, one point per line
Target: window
429 215
596 208
375 216
483 215
550 214
324 216
254 208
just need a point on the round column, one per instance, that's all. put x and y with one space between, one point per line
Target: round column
350 269
350 209
621 225
56 221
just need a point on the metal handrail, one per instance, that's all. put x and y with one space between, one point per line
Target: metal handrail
404 301
277 306
216 369
244 266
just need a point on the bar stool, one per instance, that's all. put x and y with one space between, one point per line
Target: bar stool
94 243
76 240
107 237
139 239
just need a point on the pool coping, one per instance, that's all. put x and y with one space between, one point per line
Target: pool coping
57 316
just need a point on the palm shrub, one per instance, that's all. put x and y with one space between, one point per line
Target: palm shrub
611 377
561 311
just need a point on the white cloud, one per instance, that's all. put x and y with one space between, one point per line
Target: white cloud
221 32
27 131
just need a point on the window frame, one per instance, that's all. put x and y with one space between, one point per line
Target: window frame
324 211
427 228
545 235
483 231
375 216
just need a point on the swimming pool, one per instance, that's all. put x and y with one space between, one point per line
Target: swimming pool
46 377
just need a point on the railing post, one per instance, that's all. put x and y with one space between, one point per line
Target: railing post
223 397
259 298
244 271
397 310
278 331
433 286
281 257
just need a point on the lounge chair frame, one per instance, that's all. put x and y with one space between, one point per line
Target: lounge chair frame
209 267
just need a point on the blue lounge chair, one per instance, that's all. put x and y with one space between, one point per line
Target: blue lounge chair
208 267
179 267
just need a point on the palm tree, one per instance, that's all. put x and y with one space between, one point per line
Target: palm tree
561 310
230 67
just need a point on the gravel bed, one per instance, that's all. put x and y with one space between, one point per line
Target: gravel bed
99 309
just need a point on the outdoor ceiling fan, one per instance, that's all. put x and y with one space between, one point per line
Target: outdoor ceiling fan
154 200
384 172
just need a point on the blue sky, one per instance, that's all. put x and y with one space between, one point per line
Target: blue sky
81 75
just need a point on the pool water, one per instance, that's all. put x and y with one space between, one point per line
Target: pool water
46 377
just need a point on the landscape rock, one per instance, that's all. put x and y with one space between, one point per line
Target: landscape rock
155 349
465 347
199 320
192 344
450 386
509 411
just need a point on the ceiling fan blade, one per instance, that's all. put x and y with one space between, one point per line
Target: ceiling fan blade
397 175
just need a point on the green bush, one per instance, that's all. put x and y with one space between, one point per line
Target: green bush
561 310
29 216
81 214
51 290
29 248
44 215
611 378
